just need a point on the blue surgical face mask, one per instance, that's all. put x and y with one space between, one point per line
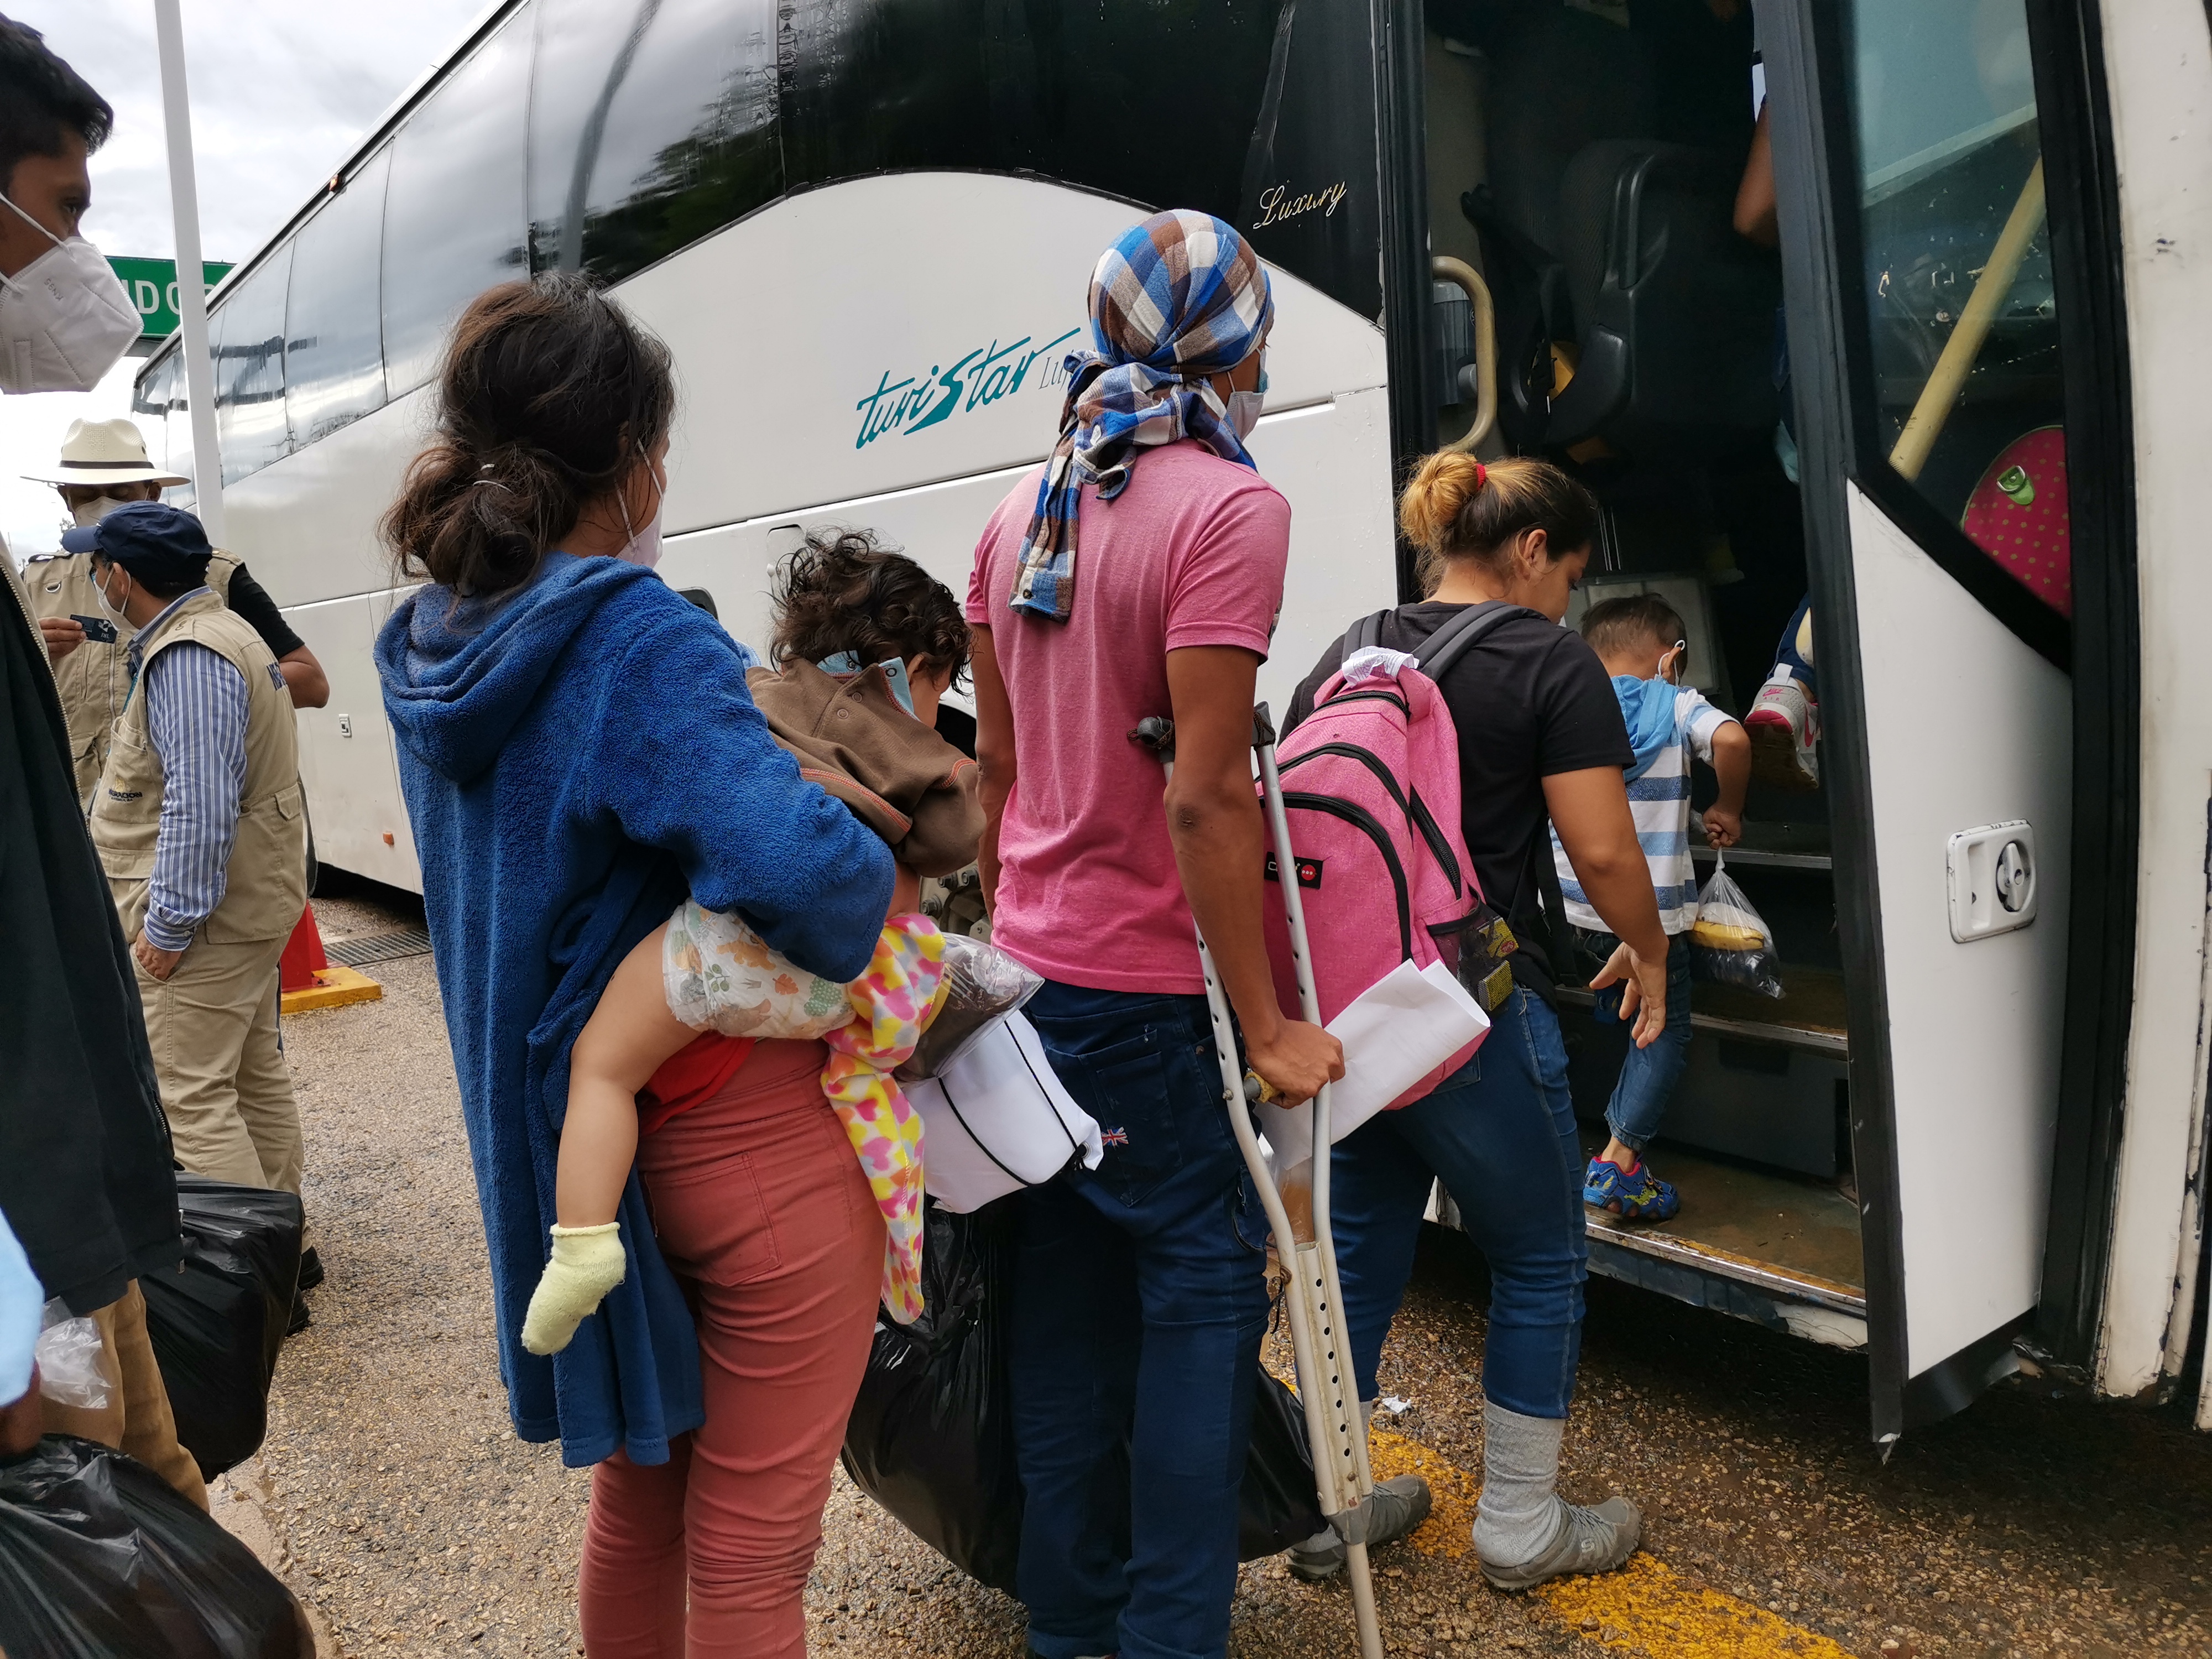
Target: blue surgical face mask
1243 409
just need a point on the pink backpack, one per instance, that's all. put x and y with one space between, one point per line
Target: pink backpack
1370 786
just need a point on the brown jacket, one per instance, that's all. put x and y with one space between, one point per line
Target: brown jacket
897 775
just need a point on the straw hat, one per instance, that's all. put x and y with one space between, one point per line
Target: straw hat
105 453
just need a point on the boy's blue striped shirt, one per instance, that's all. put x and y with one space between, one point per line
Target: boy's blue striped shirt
1659 801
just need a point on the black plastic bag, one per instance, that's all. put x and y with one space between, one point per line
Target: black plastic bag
1277 1506
216 1324
932 1434
931 1437
99 1557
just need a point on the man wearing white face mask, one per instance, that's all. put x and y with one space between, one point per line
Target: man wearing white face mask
200 823
85 1176
64 318
104 466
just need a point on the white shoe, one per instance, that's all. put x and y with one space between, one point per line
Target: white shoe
1784 727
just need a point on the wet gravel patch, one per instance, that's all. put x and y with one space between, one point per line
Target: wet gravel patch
401 1507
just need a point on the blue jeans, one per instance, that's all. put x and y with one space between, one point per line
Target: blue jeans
1139 1304
1647 1076
1786 654
1500 1134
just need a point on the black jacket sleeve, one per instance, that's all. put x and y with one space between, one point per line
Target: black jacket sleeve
250 600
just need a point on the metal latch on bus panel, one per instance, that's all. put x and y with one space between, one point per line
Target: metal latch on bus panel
1993 884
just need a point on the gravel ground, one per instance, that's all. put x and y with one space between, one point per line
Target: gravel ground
397 1502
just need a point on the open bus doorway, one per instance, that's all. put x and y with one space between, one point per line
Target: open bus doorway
1588 159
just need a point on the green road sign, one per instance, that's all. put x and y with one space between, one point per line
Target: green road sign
152 285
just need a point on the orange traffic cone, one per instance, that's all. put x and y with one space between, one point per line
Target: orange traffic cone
306 977
303 954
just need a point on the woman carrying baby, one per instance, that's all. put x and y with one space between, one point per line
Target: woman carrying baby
580 756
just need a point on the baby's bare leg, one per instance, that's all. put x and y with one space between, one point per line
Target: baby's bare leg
622 1044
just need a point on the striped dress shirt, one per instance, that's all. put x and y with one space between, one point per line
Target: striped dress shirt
196 716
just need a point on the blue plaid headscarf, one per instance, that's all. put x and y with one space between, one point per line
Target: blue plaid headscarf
1179 297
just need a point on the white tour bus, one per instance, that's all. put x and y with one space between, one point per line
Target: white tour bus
1969 1139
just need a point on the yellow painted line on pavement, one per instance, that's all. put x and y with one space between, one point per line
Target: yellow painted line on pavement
1646 1605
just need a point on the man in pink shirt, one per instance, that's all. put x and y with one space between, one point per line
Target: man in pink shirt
1139 1296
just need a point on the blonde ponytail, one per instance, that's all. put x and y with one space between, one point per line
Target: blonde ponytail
1457 508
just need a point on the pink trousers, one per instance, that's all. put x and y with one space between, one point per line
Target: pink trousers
759 1202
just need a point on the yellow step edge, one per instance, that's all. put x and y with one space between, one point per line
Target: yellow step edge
334 987
1646 1606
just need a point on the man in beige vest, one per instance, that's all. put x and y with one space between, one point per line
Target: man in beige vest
104 466
200 825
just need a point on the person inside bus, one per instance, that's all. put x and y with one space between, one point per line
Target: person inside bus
1137 574
1784 722
86 1181
103 466
868 735
1641 640
579 751
1540 734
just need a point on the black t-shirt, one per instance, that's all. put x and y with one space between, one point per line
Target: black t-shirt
250 601
1530 699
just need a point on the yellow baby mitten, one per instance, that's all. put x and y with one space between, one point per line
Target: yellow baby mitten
587 1263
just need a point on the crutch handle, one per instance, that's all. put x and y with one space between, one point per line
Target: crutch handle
1157 733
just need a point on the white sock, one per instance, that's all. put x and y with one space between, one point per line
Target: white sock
1520 1515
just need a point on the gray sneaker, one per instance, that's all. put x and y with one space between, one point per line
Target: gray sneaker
1598 1539
1401 1503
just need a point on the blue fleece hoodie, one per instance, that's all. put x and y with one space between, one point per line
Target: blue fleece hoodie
575 755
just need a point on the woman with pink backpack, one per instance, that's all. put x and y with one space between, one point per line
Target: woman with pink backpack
1540 736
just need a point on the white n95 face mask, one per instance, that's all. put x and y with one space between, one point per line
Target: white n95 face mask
65 318
91 512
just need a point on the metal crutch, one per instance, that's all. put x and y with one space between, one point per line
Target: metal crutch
1334 1429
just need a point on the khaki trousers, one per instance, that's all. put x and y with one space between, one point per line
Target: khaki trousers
224 1082
136 1420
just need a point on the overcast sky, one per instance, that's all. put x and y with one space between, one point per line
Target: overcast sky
282 91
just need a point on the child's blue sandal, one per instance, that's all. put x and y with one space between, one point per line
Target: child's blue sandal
1641 1194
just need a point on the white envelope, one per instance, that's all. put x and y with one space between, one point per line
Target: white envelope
1395 1033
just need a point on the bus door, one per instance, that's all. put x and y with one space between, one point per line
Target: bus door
1933 357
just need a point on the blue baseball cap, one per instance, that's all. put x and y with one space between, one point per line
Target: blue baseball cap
161 545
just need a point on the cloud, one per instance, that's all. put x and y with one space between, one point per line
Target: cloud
281 95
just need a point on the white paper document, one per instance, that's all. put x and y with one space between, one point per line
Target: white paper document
1395 1033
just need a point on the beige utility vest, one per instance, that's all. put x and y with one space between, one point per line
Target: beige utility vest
94 680
266 884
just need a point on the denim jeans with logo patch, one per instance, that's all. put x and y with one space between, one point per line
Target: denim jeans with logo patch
1139 1303
1500 1133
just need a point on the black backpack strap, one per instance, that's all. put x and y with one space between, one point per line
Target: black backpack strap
1363 633
1442 649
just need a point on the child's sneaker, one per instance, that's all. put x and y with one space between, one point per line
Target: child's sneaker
1784 725
1634 1194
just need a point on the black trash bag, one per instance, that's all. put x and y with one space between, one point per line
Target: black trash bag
931 1439
217 1324
932 1434
99 1557
1277 1506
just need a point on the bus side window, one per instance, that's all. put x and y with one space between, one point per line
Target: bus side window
248 348
649 127
334 334
1966 396
454 215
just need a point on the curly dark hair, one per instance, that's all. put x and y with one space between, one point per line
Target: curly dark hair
844 591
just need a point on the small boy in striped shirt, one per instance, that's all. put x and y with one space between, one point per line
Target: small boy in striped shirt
1642 643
